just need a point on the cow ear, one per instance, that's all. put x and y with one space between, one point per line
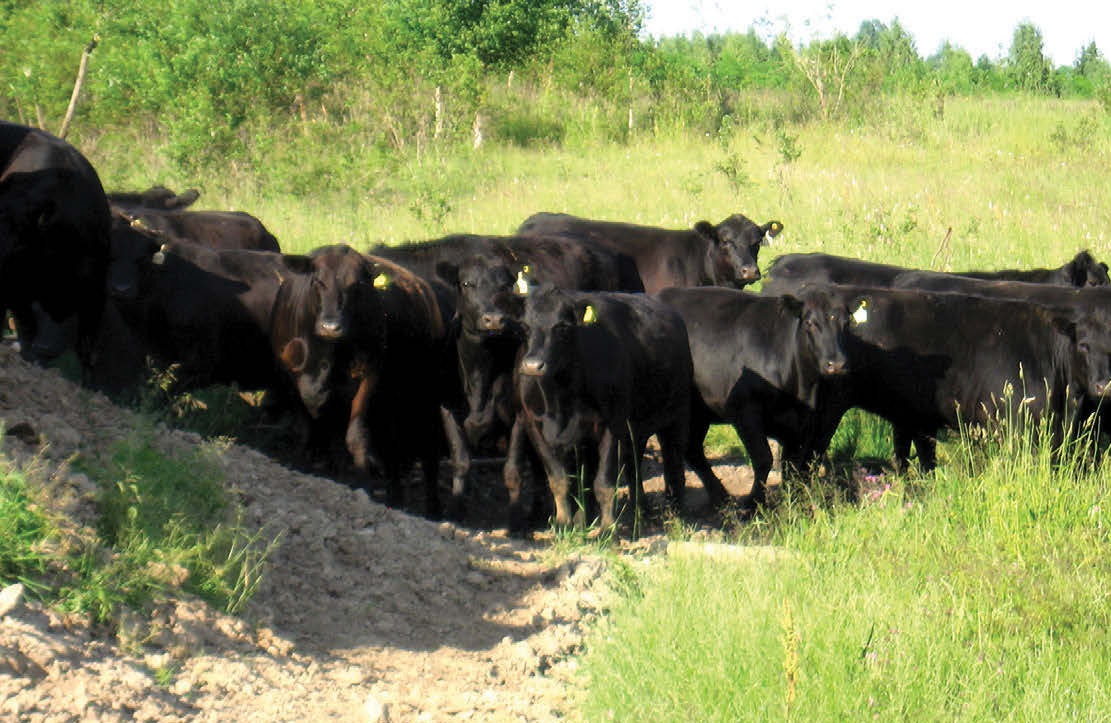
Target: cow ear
771 230
295 354
706 230
448 271
792 304
1066 326
184 199
298 263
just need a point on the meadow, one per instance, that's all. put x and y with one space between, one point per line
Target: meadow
978 592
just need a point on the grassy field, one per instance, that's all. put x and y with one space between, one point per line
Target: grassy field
980 593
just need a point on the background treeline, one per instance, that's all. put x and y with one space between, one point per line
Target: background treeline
321 92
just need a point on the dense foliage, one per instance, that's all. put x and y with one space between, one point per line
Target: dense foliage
406 73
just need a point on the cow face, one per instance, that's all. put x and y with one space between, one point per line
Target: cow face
1092 339
131 253
1084 270
491 297
340 275
822 323
734 247
310 361
552 321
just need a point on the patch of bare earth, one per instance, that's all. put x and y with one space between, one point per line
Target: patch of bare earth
365 613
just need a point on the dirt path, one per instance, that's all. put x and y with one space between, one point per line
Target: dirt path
365 613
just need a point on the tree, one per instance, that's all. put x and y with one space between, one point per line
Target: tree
827 66
1027 66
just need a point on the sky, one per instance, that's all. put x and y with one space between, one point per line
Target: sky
981 27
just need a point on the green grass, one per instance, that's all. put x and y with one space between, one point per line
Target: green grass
165 525
980 595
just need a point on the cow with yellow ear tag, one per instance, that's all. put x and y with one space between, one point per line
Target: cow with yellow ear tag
599 374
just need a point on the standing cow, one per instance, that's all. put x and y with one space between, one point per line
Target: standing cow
599 374
54 229
759 363
707 255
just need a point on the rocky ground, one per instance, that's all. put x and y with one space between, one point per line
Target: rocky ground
365 613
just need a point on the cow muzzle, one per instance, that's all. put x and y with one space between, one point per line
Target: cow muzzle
533 367
330 328
834 367
750 273
491 322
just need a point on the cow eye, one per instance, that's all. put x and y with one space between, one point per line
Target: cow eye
467 284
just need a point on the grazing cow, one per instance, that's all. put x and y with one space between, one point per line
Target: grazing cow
379 344
54 228
790 271
1082 270
759 362
154 198
225 230
721 255
600 373
926 361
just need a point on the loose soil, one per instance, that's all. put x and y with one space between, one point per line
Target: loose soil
365 613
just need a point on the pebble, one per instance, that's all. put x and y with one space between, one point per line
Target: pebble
10 598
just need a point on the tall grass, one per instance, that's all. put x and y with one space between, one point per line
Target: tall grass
982 594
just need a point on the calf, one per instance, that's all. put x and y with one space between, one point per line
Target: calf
374 338
600 373
758 365
926 361
720 255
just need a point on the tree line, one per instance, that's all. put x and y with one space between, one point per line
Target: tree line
411 73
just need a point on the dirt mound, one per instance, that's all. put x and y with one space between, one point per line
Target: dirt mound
365 613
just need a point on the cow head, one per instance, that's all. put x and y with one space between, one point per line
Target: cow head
552 320
491 295
734 247
309 362
1084 270
340 275
1090 336
823 319
132 248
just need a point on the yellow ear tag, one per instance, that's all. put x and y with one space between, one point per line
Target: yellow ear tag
860 316
589 316
382 282
159 257
521 286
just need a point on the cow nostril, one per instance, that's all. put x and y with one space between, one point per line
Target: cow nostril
532 367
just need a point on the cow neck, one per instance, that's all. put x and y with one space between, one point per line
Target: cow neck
802 379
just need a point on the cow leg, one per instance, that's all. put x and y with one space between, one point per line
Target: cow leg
900 440
926 447
751 432
430 467
559 482
605 478
672 443
696 458
460 464
511 473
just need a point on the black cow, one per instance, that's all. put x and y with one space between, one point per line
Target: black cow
154 198
721 255
926 361
600 373
226 230
1082 270
379 345
989 286
790 271
54 228
759 362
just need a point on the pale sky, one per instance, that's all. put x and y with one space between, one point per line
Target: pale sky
981 28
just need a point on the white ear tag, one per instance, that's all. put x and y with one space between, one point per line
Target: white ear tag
159 257
767 240
860 316
521 286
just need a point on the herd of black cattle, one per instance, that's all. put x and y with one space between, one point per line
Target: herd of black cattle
565 346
